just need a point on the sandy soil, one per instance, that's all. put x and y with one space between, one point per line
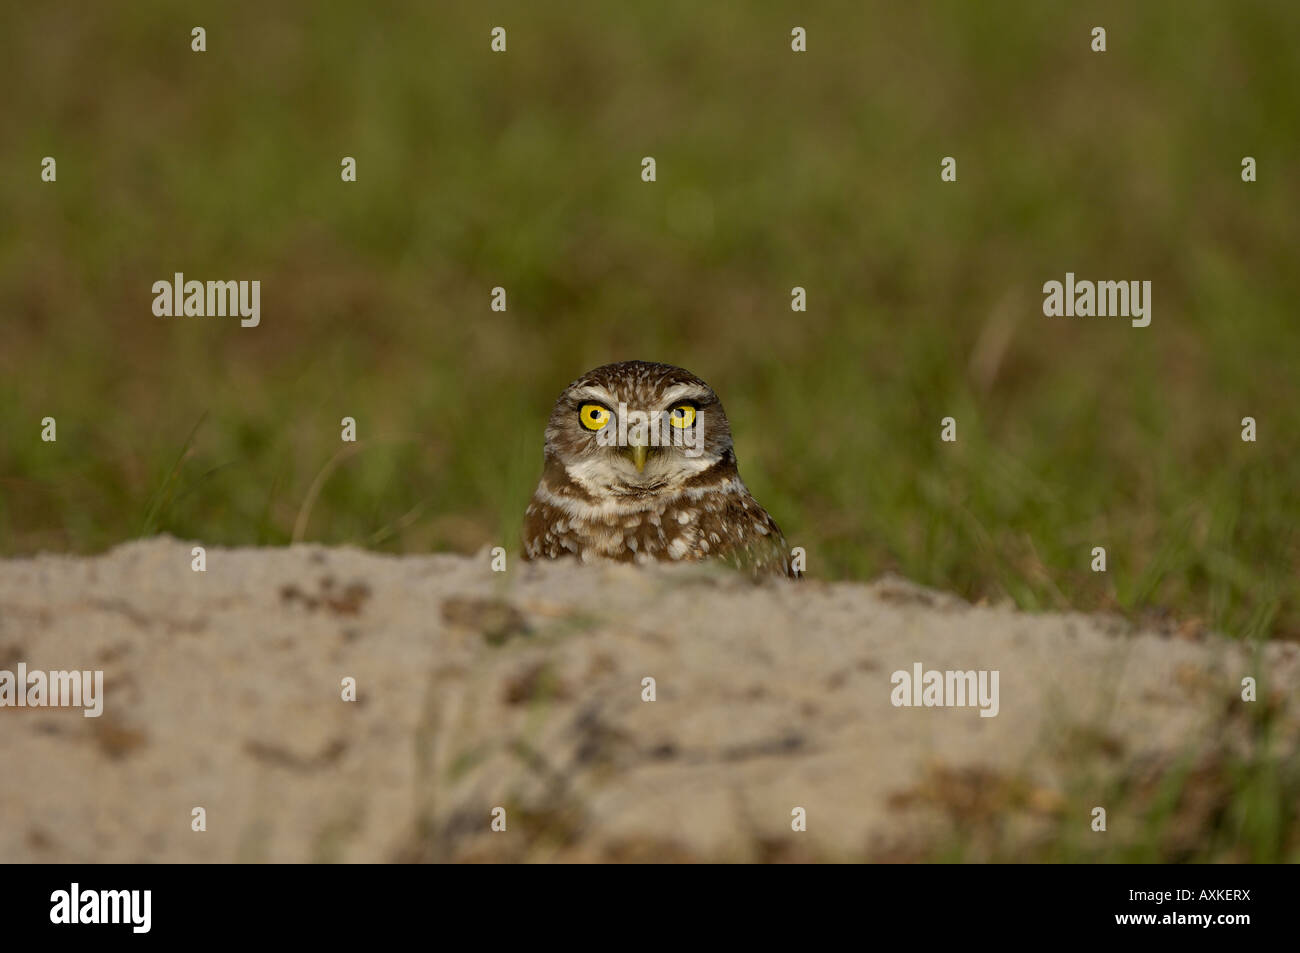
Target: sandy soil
524 690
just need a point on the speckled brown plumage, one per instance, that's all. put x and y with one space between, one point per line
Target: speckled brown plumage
680 504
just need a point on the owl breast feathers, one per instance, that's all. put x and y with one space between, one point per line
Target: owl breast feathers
638 466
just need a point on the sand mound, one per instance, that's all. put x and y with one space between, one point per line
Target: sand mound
524 690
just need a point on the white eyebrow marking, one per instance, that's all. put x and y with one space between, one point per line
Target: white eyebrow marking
596 392
674 394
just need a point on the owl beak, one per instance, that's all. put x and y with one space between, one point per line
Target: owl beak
638 452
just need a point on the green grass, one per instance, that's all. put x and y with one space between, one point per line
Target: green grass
775 170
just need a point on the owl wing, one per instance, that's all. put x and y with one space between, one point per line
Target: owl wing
548 533
744 534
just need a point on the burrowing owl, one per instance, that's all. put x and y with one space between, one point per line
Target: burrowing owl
638 466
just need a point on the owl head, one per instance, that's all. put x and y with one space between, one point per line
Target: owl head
636 427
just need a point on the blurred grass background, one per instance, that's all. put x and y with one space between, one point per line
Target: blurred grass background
774 170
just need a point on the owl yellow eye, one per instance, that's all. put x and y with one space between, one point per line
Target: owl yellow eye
682 416
593 416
